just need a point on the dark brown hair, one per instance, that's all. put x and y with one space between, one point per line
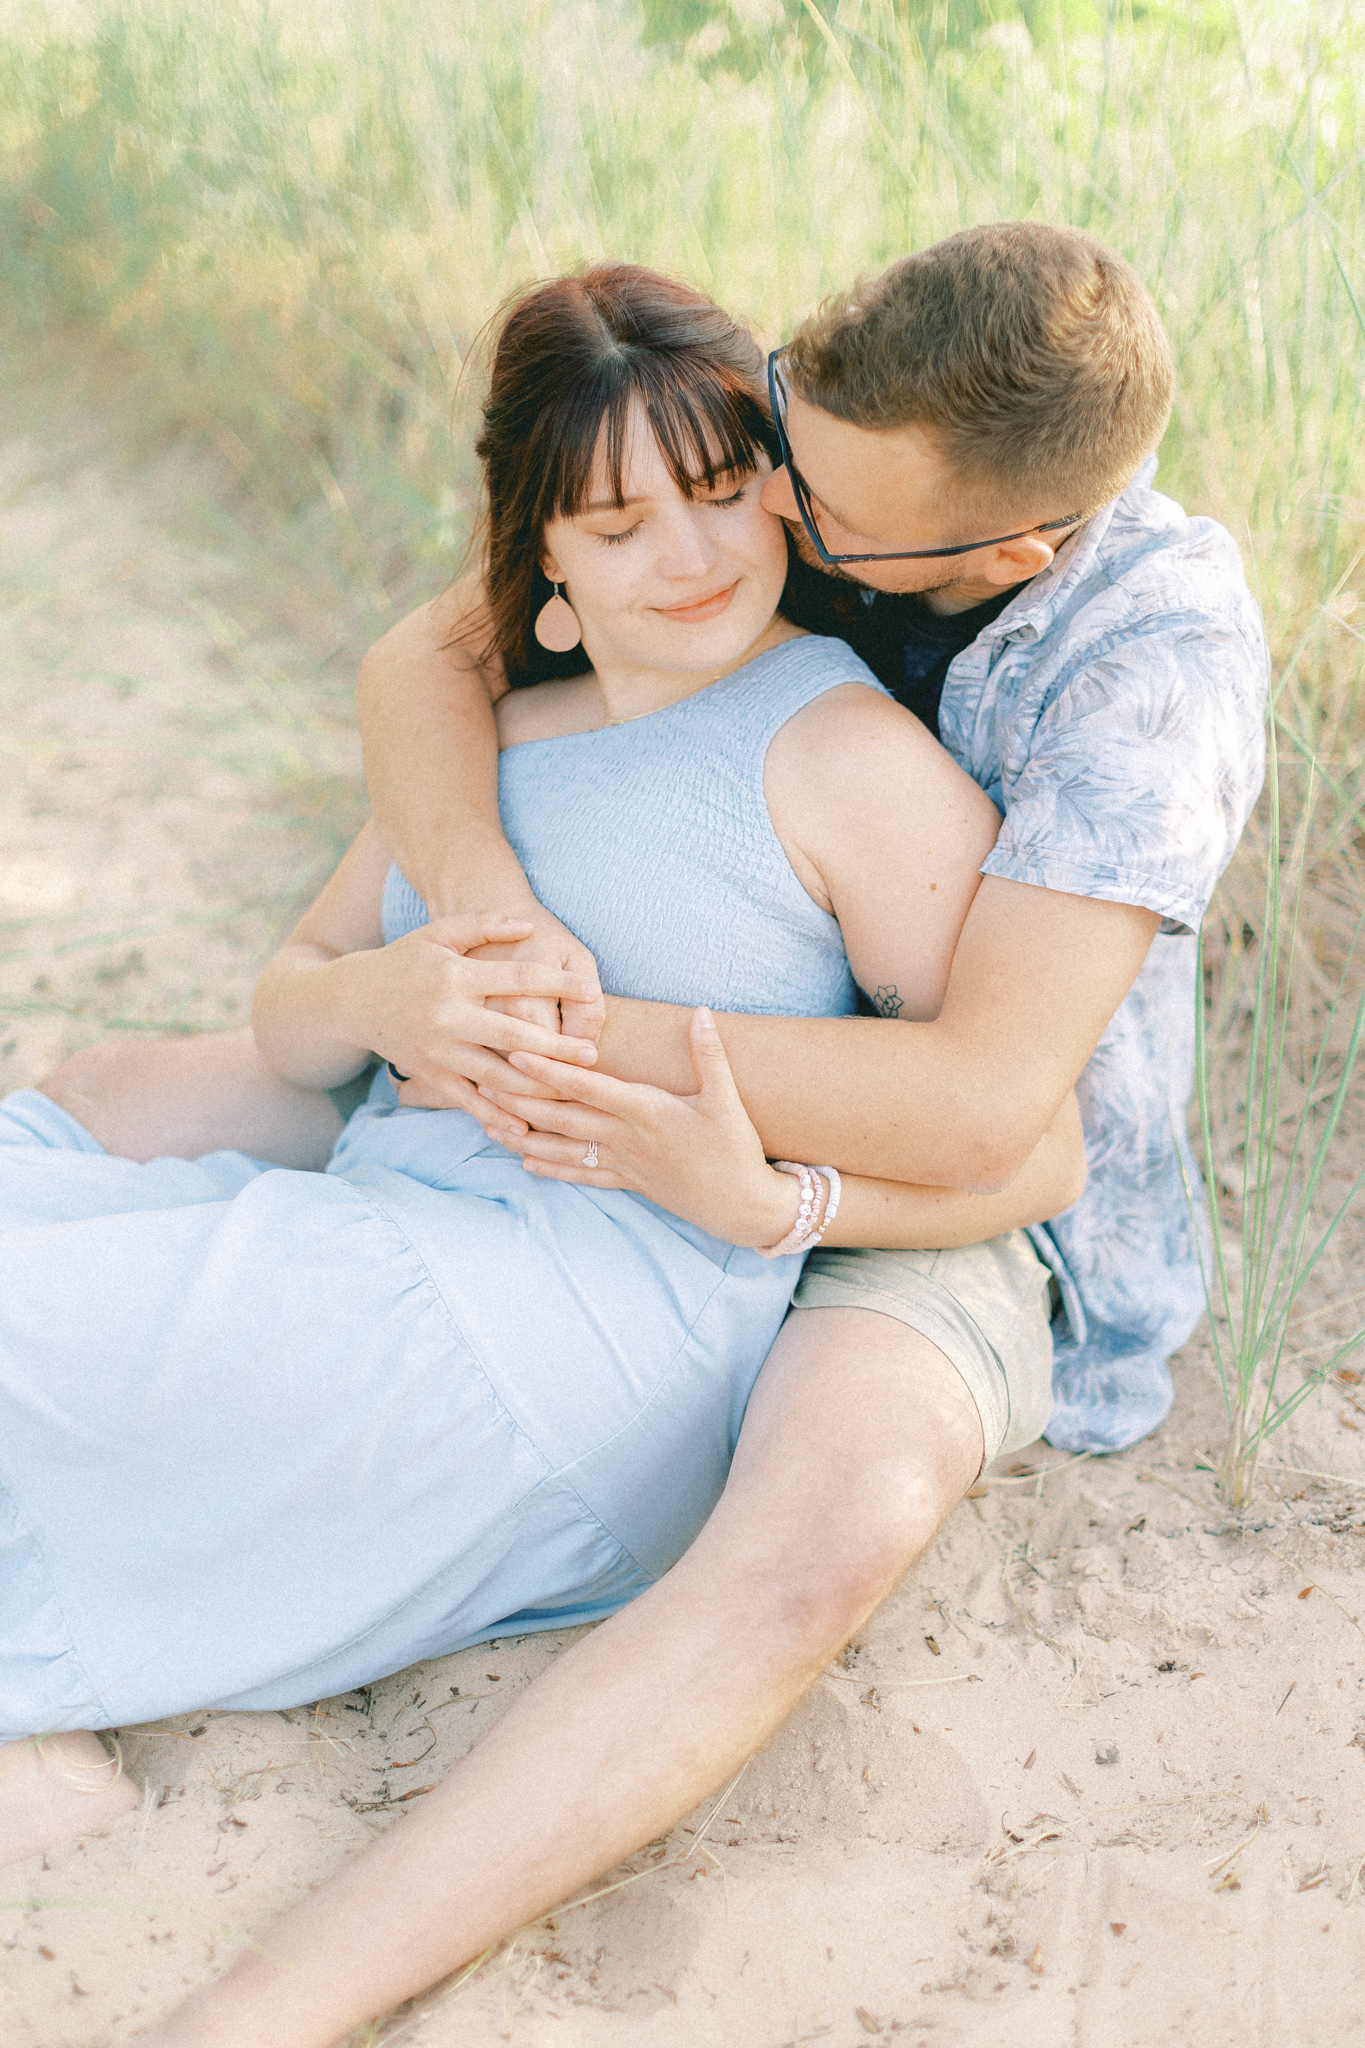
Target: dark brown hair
570 359
1032 352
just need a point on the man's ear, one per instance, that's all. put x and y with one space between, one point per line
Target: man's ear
1017 560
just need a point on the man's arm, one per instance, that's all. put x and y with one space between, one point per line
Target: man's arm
431 755
960 1102
425 695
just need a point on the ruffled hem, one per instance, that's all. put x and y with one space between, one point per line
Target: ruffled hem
44 1688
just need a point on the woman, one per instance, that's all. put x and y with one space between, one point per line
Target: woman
267 1435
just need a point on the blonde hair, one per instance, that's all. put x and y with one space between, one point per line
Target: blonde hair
1033 354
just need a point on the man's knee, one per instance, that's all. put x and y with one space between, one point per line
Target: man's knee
863 1544
860 1439
849 1393
842 1557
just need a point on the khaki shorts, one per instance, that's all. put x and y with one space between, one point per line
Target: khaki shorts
987 1306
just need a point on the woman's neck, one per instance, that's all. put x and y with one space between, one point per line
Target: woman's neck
628 691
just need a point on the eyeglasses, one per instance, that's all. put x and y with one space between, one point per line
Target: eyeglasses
801 493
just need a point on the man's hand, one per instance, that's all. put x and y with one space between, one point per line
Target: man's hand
551 944
446 1072
436 1005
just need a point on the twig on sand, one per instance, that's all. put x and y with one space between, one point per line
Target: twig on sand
1218 1863
1017 1604
900 1684
1328 1478
1033 1476
1035 1841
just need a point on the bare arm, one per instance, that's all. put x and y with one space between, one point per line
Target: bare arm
431 756
885 831
959 1101
335 993
901 1216
425 695
1002 991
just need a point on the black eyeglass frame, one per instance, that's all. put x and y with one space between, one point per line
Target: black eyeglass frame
801 493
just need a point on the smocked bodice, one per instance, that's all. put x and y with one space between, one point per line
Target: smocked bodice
652 842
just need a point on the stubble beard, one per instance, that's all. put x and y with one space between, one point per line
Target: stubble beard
836 574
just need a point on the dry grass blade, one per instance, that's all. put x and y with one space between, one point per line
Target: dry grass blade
1033 1477
903 1684
1218 1863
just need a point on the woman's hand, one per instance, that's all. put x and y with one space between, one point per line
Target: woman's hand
697 1156
443 1003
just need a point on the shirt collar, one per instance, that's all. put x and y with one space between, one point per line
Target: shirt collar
1041 598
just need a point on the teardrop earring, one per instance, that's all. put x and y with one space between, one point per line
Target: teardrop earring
557 626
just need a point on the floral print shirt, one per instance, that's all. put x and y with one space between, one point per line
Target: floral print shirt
1115 713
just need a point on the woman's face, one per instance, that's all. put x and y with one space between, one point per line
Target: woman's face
665 581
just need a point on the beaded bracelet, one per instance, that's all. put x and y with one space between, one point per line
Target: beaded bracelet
809 1227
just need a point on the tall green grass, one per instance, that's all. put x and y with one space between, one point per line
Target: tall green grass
1270 1123
290 219
277 229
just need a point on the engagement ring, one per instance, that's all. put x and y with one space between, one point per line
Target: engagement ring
590 1156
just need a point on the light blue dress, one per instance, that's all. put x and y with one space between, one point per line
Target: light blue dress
269 1435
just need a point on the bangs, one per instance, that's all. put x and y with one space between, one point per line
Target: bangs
707 425
580 362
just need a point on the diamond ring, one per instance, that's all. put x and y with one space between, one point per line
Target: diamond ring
590 1156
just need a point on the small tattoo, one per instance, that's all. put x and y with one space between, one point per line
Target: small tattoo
886 1002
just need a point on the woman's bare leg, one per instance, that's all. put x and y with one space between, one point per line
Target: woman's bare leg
183 1097
56 1787
859 1439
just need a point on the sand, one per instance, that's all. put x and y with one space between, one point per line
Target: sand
1094 1774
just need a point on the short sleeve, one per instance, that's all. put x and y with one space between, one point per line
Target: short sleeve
1136 779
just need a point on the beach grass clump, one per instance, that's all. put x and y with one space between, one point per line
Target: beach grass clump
1287 1002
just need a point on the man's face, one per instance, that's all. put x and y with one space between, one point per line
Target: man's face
879 490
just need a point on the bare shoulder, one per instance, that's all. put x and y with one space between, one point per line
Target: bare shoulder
854 744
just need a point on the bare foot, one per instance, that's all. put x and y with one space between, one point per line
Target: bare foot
54 1787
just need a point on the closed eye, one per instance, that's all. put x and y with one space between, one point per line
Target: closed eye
614 540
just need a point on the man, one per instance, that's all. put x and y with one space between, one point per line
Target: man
967 481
